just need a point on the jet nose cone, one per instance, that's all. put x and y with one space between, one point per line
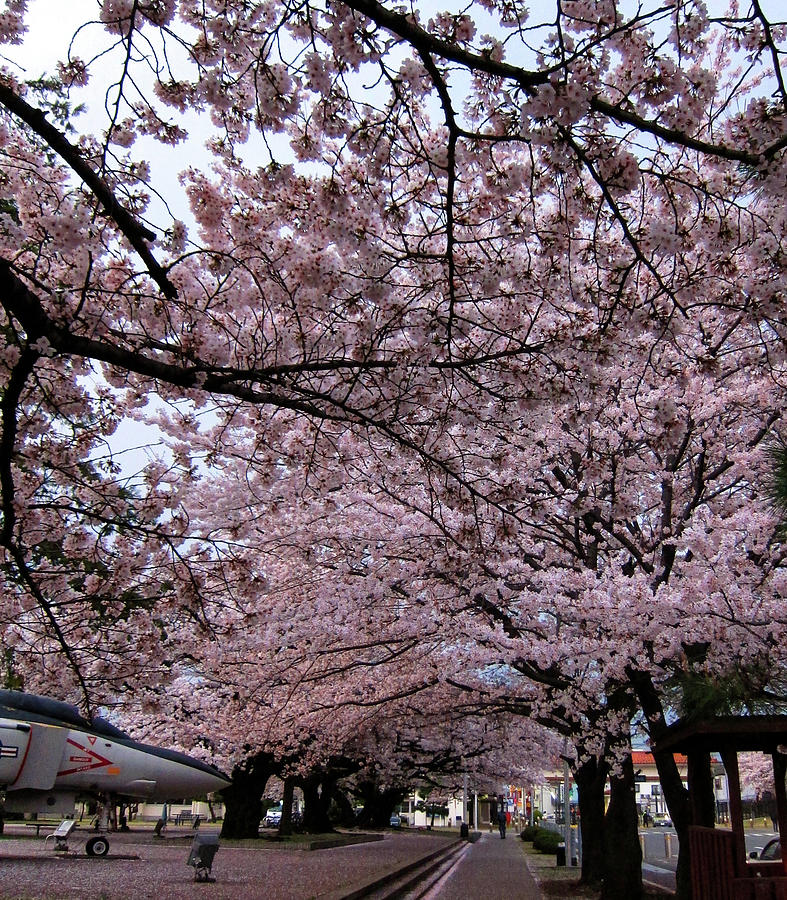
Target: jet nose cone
213 783
177 775
198 778
188 781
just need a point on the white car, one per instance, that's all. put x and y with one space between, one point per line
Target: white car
771 851
272 818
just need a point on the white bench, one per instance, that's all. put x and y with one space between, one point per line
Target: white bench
61 834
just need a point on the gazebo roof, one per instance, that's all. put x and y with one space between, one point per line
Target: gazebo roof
764 733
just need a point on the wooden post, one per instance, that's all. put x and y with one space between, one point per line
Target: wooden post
779 775
730 760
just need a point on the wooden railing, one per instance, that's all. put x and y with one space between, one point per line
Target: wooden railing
712 853
714 875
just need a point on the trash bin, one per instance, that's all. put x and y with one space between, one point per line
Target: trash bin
464 830
561 854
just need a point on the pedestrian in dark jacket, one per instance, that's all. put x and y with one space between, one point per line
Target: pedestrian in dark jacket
501 821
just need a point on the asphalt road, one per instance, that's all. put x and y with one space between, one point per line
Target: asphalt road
659 868
657 841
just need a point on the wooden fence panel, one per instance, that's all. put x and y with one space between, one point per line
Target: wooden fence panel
712 863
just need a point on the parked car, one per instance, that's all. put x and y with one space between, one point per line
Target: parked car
396 821
771 851
272 818
662 821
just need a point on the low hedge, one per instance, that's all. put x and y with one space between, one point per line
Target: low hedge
547 841
529 832
544 841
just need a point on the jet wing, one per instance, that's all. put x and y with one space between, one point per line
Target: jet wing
30 754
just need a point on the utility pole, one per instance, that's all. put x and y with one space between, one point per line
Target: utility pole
464 800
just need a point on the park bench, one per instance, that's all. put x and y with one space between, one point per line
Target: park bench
185 818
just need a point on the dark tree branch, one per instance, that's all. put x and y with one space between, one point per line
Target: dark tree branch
133 230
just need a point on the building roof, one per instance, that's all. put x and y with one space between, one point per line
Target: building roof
766 733
645 758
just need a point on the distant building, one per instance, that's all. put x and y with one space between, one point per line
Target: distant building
548 795
650 797
178 811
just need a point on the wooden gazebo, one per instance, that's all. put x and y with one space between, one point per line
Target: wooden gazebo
720 868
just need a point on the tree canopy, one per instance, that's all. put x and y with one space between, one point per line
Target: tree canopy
462 338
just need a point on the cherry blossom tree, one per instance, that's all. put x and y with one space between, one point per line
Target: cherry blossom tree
567 602
319 663
517 279
306 318
594 593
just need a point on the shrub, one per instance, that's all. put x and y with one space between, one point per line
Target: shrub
547 841
529 832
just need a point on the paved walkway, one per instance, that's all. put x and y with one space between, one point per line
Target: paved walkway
490 869
139 867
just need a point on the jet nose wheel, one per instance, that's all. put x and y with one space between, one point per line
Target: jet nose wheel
97 846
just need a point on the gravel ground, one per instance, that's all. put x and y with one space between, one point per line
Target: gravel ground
29 870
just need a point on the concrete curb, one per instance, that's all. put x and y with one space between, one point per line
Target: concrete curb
428 862
344 840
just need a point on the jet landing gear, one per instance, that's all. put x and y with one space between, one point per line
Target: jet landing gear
97 846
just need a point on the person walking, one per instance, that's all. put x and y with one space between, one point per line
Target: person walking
501 821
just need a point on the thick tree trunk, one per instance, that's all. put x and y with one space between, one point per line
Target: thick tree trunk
345 814
703 811
285 823
317 799
675 794
590 778
622 852
378 805
677 799
243 798
703 798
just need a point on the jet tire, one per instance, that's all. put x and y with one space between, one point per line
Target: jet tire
97 846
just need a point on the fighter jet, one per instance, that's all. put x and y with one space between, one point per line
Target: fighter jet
50 757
